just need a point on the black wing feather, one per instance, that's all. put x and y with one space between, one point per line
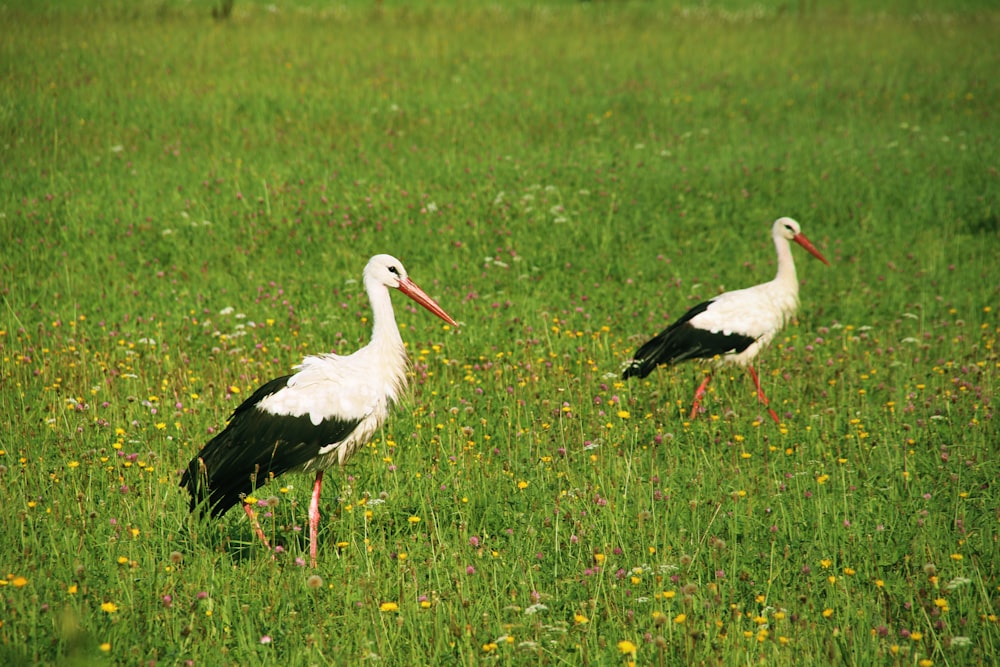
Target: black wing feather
682 341
254 448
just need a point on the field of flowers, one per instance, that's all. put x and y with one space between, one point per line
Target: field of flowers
186 205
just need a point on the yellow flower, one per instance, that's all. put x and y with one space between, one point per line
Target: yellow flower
822 479
680 618
827 613
109 607
916 636
72 589
926 662
489 648
414 519
826 562
522 485
19 581
623 414
669 594
105 646
580 619
626 647
956 556
388 607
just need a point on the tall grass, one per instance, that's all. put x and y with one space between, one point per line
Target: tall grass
186 207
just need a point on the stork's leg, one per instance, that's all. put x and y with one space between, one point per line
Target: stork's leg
314 517
760 393
698 395
256 524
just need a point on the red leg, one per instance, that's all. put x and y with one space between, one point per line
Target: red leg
760 393
256 525
314 517
702 388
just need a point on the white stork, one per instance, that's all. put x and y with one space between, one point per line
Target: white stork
735 326
315 418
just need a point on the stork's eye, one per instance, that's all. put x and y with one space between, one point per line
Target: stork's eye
393 270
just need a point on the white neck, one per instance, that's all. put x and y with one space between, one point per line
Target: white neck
384 329
786 265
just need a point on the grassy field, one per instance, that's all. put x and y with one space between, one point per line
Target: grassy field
186 206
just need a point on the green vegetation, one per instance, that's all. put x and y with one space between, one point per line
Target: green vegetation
186 206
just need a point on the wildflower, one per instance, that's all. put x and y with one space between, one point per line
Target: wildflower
580 619
489 647
266 639
314 581
387 607
827 613
105 646
522 485
414 519
72 589
109 607
626 647
680 618
18 582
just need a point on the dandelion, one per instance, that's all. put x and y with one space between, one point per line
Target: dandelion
827 613
580 619
414 520
18 582
105 646
625 647
388 607
489 647
680 618
314 581
109 607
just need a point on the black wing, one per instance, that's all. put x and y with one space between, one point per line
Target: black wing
255 447
682 341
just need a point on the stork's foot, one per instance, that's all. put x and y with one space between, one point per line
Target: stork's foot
257 528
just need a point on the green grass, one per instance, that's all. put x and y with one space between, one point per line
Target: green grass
186 206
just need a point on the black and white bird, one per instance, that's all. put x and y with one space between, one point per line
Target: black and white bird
315 418
733 327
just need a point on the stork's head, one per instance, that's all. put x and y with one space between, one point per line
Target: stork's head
389 272
788 229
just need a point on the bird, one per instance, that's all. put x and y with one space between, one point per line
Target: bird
314 418
734 327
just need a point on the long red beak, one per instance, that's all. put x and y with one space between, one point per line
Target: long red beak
805 243
410 289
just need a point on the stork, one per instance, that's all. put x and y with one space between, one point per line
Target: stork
733 327
312 419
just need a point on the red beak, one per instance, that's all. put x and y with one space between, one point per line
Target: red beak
410 289
805 243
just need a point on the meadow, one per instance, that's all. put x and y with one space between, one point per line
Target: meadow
186 206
